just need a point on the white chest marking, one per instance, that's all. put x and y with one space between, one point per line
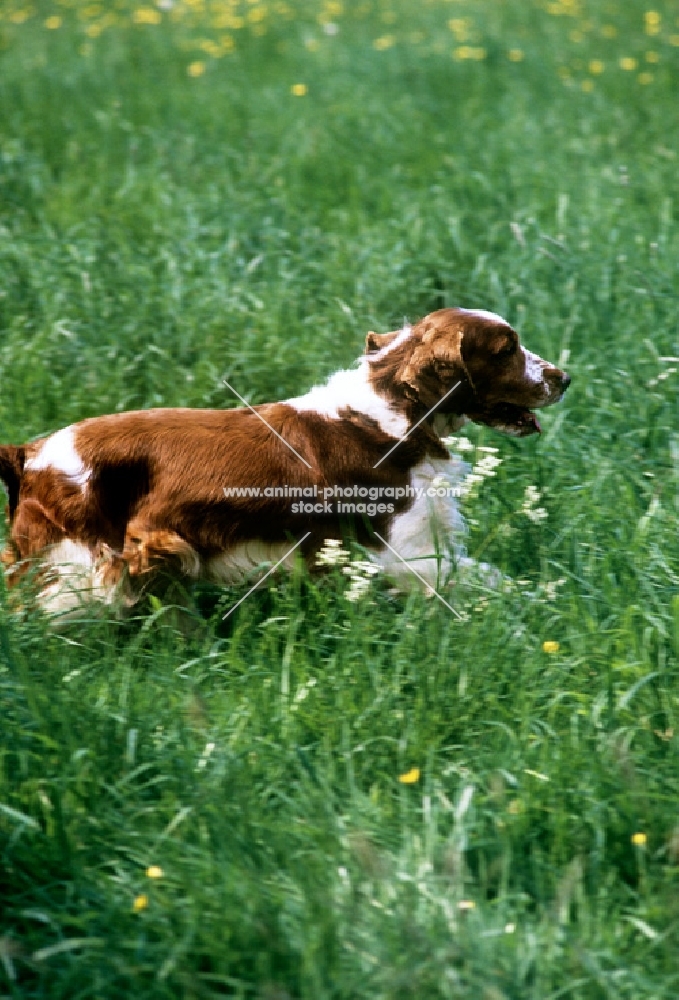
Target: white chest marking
352 389
429 534
58 452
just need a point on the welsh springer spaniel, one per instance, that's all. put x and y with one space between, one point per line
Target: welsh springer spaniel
104 507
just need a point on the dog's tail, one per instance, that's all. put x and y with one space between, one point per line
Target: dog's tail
12 459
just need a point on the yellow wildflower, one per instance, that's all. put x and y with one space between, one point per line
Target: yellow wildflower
53 22
588 87
645 78
299 89
469 52
466 904
154 871
146 15
639 839
652 22
385 42
410 777
140 903
549 645
196 68
515 55
596 66
627 63
210 46
460 28
652 57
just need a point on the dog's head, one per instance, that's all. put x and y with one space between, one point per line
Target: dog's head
477 355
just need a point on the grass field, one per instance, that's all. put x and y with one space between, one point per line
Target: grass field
212 189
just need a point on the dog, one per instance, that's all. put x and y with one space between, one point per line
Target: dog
104 508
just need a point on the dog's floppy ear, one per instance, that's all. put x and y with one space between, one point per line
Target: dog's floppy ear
438 350
505 341
376 341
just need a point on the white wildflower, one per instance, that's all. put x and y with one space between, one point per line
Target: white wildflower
551 588
529 507
486 466
360 573
458 444
332 553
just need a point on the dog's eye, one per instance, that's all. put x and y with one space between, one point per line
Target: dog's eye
504 352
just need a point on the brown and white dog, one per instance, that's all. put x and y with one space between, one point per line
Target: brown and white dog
102 507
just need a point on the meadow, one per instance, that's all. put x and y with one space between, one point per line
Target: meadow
337 794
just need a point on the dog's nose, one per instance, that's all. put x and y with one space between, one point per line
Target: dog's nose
565 381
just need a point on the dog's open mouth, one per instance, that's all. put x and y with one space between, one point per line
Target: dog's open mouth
510 419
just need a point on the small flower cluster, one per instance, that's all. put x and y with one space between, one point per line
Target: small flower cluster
360 571
458 444
529 507
484 467
332 553
141 901
550 591
544 593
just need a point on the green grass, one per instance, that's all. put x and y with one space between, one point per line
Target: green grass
160 232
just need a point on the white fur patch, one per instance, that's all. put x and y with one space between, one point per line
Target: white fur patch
535 368
396 342
351 388
79 579
58 452
428 536
491 317
237 564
